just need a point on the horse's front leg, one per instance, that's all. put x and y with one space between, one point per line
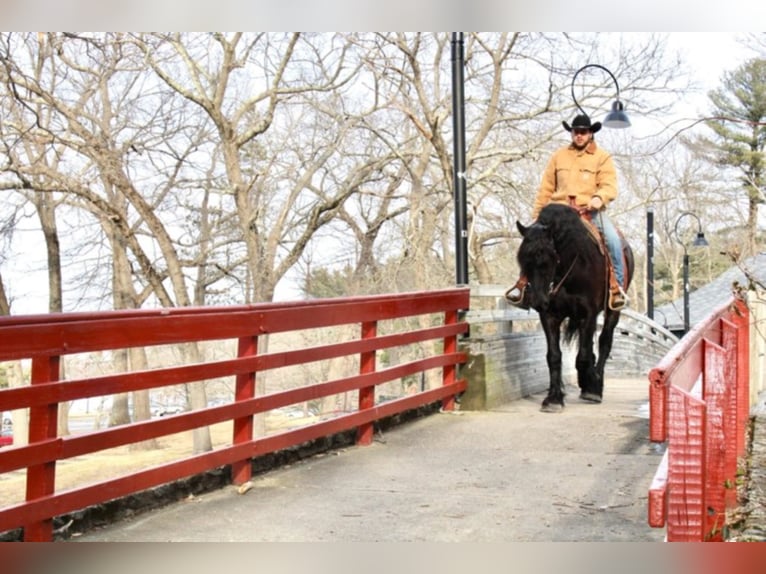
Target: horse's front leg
554 402
605 340
588 378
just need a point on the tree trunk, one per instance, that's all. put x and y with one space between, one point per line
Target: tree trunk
197 399
752 223
141 403
120 411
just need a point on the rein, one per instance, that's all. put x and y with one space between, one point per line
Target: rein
555 288
584 213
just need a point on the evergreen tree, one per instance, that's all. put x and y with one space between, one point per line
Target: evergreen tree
739 122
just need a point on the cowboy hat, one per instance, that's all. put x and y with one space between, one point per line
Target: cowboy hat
583 122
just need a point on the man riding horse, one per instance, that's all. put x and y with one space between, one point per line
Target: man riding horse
583 175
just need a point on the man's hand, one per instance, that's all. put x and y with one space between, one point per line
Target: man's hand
595 203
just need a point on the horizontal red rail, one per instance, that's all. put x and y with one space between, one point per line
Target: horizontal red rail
29 336
46 393
699 404
45 339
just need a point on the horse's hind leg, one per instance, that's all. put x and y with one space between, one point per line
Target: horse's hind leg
554 402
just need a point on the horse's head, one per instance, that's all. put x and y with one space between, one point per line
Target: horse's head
538 260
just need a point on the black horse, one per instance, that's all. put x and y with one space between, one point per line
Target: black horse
568 285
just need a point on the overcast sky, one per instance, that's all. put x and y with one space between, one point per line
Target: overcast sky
710 53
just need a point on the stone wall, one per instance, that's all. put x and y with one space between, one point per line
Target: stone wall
747 521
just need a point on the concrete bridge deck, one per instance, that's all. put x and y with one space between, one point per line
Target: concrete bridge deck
510 474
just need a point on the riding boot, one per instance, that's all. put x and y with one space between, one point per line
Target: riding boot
516 295
617 297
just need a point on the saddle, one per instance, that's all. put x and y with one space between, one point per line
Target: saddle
586 216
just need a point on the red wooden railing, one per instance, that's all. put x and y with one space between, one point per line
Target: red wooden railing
45 339
699 404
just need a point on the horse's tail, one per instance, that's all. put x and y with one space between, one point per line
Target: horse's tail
571 328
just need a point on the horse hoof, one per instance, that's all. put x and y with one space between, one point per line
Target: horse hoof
590 397
552 408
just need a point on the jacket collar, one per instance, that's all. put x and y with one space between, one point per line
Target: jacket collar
590 148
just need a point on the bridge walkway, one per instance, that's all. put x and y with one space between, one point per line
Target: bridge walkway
510 474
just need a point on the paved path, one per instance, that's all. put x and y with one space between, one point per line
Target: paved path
512 474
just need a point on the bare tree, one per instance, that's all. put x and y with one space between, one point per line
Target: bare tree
213 73
93 69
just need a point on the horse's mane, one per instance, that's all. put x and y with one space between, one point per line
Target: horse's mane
568 232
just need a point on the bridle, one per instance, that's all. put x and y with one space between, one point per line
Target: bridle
555 288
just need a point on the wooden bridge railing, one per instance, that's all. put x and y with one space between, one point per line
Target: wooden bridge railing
46 339
699 403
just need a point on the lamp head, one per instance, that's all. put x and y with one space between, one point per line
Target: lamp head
617 118
700 240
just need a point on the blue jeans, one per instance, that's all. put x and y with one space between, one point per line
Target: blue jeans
613 244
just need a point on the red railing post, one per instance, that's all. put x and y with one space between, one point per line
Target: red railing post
658 406
241 471
740 316
730 341
658 495
449 372
686 459
43 422
364 433
715 393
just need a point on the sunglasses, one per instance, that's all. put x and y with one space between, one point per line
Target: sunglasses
581 132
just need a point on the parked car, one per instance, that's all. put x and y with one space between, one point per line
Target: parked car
167 410
6 437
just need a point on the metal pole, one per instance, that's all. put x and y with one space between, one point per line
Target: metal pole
686 292
458 173
650 263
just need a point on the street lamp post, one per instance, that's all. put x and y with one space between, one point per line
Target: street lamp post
699 241
459 166
650 263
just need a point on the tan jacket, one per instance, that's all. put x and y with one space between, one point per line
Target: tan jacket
582 174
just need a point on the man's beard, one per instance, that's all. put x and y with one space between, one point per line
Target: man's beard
580 147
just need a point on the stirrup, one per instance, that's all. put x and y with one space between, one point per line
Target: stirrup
617 299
